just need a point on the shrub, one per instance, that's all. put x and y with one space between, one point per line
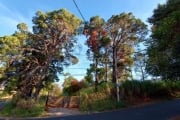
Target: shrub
131 88
74 87
25 104
11 110
55 91
18 107
98 101
150 89
94 101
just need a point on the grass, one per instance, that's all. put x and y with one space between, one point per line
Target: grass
131 92
107 104
98 101
101 104
13 110
151 89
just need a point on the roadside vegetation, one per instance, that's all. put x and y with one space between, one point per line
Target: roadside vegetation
99 101
23 109
132 92
137 92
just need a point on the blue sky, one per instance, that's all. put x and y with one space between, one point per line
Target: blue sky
13 12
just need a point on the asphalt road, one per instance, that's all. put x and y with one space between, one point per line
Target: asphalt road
158 111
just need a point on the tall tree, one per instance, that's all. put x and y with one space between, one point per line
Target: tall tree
46 50
164 45
125 31
96 41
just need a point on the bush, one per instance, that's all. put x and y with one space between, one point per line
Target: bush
150 89
55 91
23 108
98 101
75 87
130 88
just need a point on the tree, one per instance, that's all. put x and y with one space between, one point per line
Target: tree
56 90
46 50
67 81
140 63
125 31
71 85
163 57
97 40
89 76
10 52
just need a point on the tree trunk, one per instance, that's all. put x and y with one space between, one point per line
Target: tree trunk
114 77
106 67
96 76
106 74
114 74
36 94
142 72
47 99
25 93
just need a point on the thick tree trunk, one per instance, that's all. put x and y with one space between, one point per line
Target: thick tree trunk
38 89
25 93
39 86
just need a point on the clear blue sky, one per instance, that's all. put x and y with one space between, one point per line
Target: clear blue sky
13 12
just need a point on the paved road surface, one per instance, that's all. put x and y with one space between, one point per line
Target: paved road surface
159 111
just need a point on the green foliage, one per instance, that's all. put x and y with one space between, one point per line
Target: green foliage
67 81
87 90
35 59
163 49
104 86
67 85
19 107
97 41
55 91
125 31
42 20
149 89
98 101
99 104
74 87
10 110
103 100
96 22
